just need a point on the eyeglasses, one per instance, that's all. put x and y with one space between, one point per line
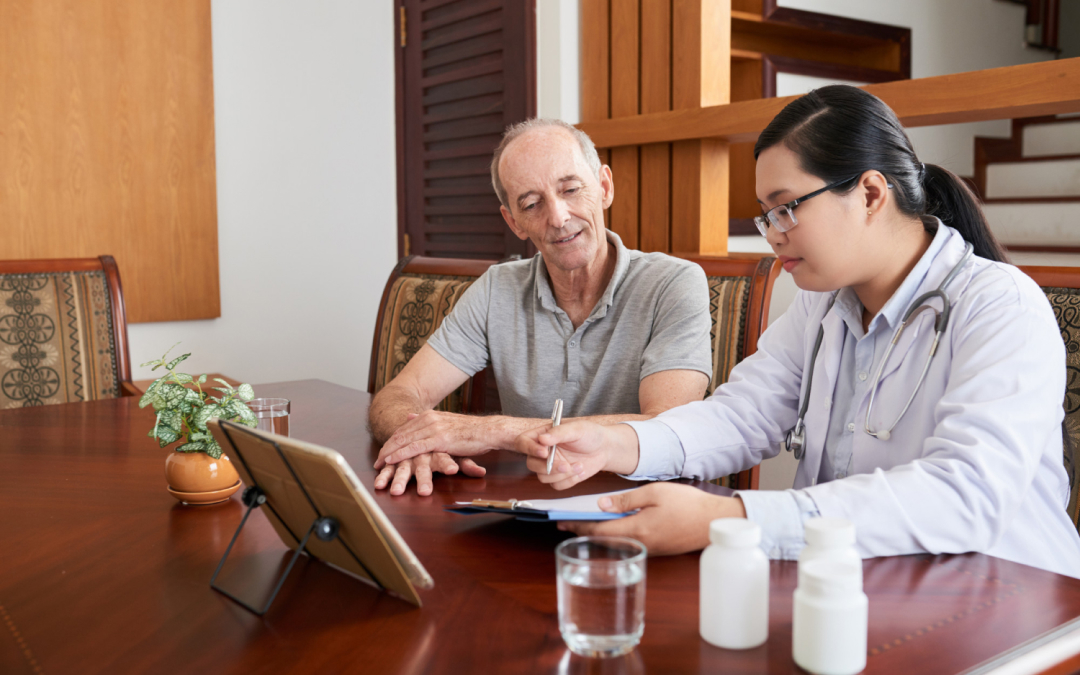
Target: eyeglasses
782 217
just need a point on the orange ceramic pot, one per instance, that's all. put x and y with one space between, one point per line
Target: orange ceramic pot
198 472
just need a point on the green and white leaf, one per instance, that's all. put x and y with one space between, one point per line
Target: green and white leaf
245 415
204 414
218 379
193 446
166 435
246 392
202 379
178 359
213 449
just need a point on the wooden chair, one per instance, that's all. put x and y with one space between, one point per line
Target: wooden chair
420 293
740 290
1062 288
63 332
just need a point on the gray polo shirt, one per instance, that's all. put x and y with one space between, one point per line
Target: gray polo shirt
653 316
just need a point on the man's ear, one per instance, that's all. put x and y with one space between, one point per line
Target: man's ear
607 186
509 218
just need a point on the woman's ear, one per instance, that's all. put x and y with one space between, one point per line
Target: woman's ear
875 190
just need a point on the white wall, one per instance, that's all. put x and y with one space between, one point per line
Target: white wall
557 60
304 116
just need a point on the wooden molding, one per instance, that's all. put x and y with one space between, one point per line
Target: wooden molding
1038 248
1046 88
1052 277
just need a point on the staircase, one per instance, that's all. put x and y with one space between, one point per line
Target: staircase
1030 186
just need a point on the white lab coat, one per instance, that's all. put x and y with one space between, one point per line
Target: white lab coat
974 465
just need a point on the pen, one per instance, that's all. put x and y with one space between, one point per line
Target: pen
512 504
556 419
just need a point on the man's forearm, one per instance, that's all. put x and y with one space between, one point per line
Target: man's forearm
389 410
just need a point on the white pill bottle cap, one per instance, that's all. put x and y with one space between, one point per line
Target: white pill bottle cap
734 532
830 532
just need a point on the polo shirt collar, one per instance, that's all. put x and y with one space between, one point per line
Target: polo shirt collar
546 294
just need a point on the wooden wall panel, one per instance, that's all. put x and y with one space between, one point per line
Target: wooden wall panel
701 58
746 85
107 145
625 74
595 69
655 225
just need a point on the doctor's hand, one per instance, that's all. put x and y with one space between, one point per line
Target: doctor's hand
584 449
671 518
397 476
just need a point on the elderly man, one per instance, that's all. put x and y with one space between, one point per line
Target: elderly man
618 335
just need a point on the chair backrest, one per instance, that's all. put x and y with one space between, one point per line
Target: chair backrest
419 294
63 332
740 291
1062 288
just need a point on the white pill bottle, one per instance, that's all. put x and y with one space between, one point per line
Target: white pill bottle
734 586
829 618
830 539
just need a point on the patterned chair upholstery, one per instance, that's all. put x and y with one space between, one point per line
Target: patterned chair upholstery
63 332
740 289
419 295
1062 288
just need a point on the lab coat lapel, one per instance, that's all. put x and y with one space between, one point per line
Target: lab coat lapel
826 371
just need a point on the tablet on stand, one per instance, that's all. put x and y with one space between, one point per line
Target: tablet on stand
317 506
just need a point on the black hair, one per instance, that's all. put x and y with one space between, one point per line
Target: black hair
840 132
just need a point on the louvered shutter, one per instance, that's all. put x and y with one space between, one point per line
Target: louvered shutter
467 71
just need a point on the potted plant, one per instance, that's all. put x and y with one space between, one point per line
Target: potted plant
197 472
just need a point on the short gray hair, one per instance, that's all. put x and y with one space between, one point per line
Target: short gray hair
588 150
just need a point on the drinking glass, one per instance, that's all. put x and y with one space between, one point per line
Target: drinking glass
601 587
273 414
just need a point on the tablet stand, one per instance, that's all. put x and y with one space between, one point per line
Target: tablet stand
325 528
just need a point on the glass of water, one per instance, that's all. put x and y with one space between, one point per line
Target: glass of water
273 414
601 583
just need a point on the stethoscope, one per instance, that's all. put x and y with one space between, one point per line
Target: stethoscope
795 439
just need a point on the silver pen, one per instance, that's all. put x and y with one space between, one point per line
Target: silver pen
556 419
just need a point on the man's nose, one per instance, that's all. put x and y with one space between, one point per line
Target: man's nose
559 215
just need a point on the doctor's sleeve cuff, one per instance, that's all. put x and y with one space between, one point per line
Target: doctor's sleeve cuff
660 452
781 516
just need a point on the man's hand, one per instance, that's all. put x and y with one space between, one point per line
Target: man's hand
436 431
671 518
584 449
422 467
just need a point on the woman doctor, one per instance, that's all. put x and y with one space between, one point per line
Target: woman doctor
948 441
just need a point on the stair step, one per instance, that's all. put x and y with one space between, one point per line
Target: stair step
1057 138
1049 178
1035 224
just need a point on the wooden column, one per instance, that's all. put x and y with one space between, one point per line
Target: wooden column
655 202
701 77
596 69
641 57
625 73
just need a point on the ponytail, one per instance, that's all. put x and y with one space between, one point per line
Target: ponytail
840 131
950 199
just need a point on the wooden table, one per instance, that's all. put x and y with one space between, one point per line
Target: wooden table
101 571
